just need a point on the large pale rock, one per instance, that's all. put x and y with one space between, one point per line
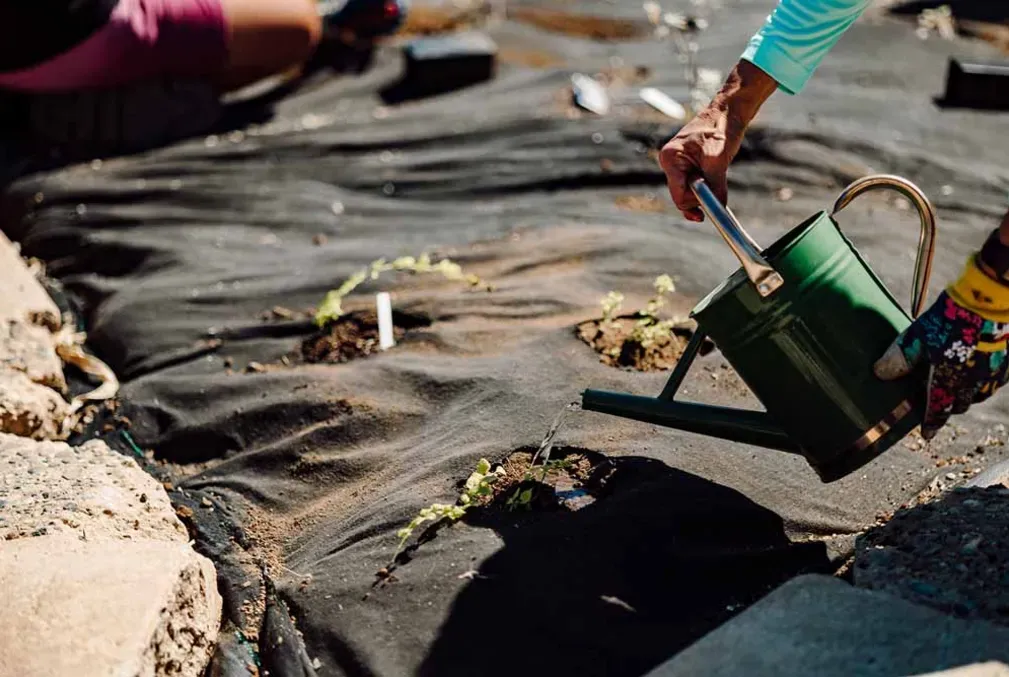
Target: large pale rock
88 491
29 409
818 625
105 608
23 298
30 349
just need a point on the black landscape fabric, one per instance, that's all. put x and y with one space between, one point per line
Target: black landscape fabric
194 265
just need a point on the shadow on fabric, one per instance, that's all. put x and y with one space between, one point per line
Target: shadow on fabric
969 10
620 586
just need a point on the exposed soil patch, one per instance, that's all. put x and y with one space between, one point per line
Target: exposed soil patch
579 25
530 58
617 347
642 203
354 335
425 20
570 480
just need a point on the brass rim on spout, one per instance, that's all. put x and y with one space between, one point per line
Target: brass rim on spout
926 213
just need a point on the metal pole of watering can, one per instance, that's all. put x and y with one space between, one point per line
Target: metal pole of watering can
765 279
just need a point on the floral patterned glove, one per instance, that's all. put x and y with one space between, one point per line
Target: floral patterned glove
963 339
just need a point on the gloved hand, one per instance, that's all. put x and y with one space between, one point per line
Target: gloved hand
963 339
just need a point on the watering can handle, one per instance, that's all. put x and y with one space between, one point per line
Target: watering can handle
926 212
764 278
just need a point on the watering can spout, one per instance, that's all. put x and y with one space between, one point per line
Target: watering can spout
735 425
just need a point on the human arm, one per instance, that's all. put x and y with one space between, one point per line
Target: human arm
783 54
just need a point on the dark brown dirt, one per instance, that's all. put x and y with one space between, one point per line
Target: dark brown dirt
354 335
573 477
580 25
616 348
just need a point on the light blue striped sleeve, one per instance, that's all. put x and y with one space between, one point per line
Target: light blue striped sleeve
797 35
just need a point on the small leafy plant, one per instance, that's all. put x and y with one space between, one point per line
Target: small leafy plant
523 498
478 486
649 329
331 308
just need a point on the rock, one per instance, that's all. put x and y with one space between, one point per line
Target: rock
998 474
23 299
88 492
30 349
29 409
106 607
818 625
946 554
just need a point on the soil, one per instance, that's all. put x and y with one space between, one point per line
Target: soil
425 20
616 348
354 335
570 485
530 58
579 25
648 202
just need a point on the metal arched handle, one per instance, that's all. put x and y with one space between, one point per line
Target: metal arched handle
764 278
926 212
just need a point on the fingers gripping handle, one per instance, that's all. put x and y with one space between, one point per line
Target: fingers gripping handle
926 213
764 278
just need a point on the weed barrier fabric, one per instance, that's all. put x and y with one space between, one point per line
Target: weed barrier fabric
298 475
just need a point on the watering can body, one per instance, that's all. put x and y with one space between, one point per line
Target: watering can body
802 323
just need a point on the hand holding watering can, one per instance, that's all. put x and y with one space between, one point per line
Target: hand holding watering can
960 340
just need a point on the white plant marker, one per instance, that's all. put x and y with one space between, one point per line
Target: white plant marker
386 339
663 103
590 94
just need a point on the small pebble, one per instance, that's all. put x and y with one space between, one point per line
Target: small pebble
971 546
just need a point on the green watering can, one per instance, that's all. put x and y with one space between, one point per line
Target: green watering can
802 324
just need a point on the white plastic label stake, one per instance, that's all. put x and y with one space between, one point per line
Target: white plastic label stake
661 102
386 339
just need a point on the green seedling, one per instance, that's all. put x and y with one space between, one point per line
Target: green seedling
649 329
478 486
331 308
521 499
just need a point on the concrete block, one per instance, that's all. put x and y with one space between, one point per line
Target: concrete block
818 625
105 608
990 669
951 554
88 492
